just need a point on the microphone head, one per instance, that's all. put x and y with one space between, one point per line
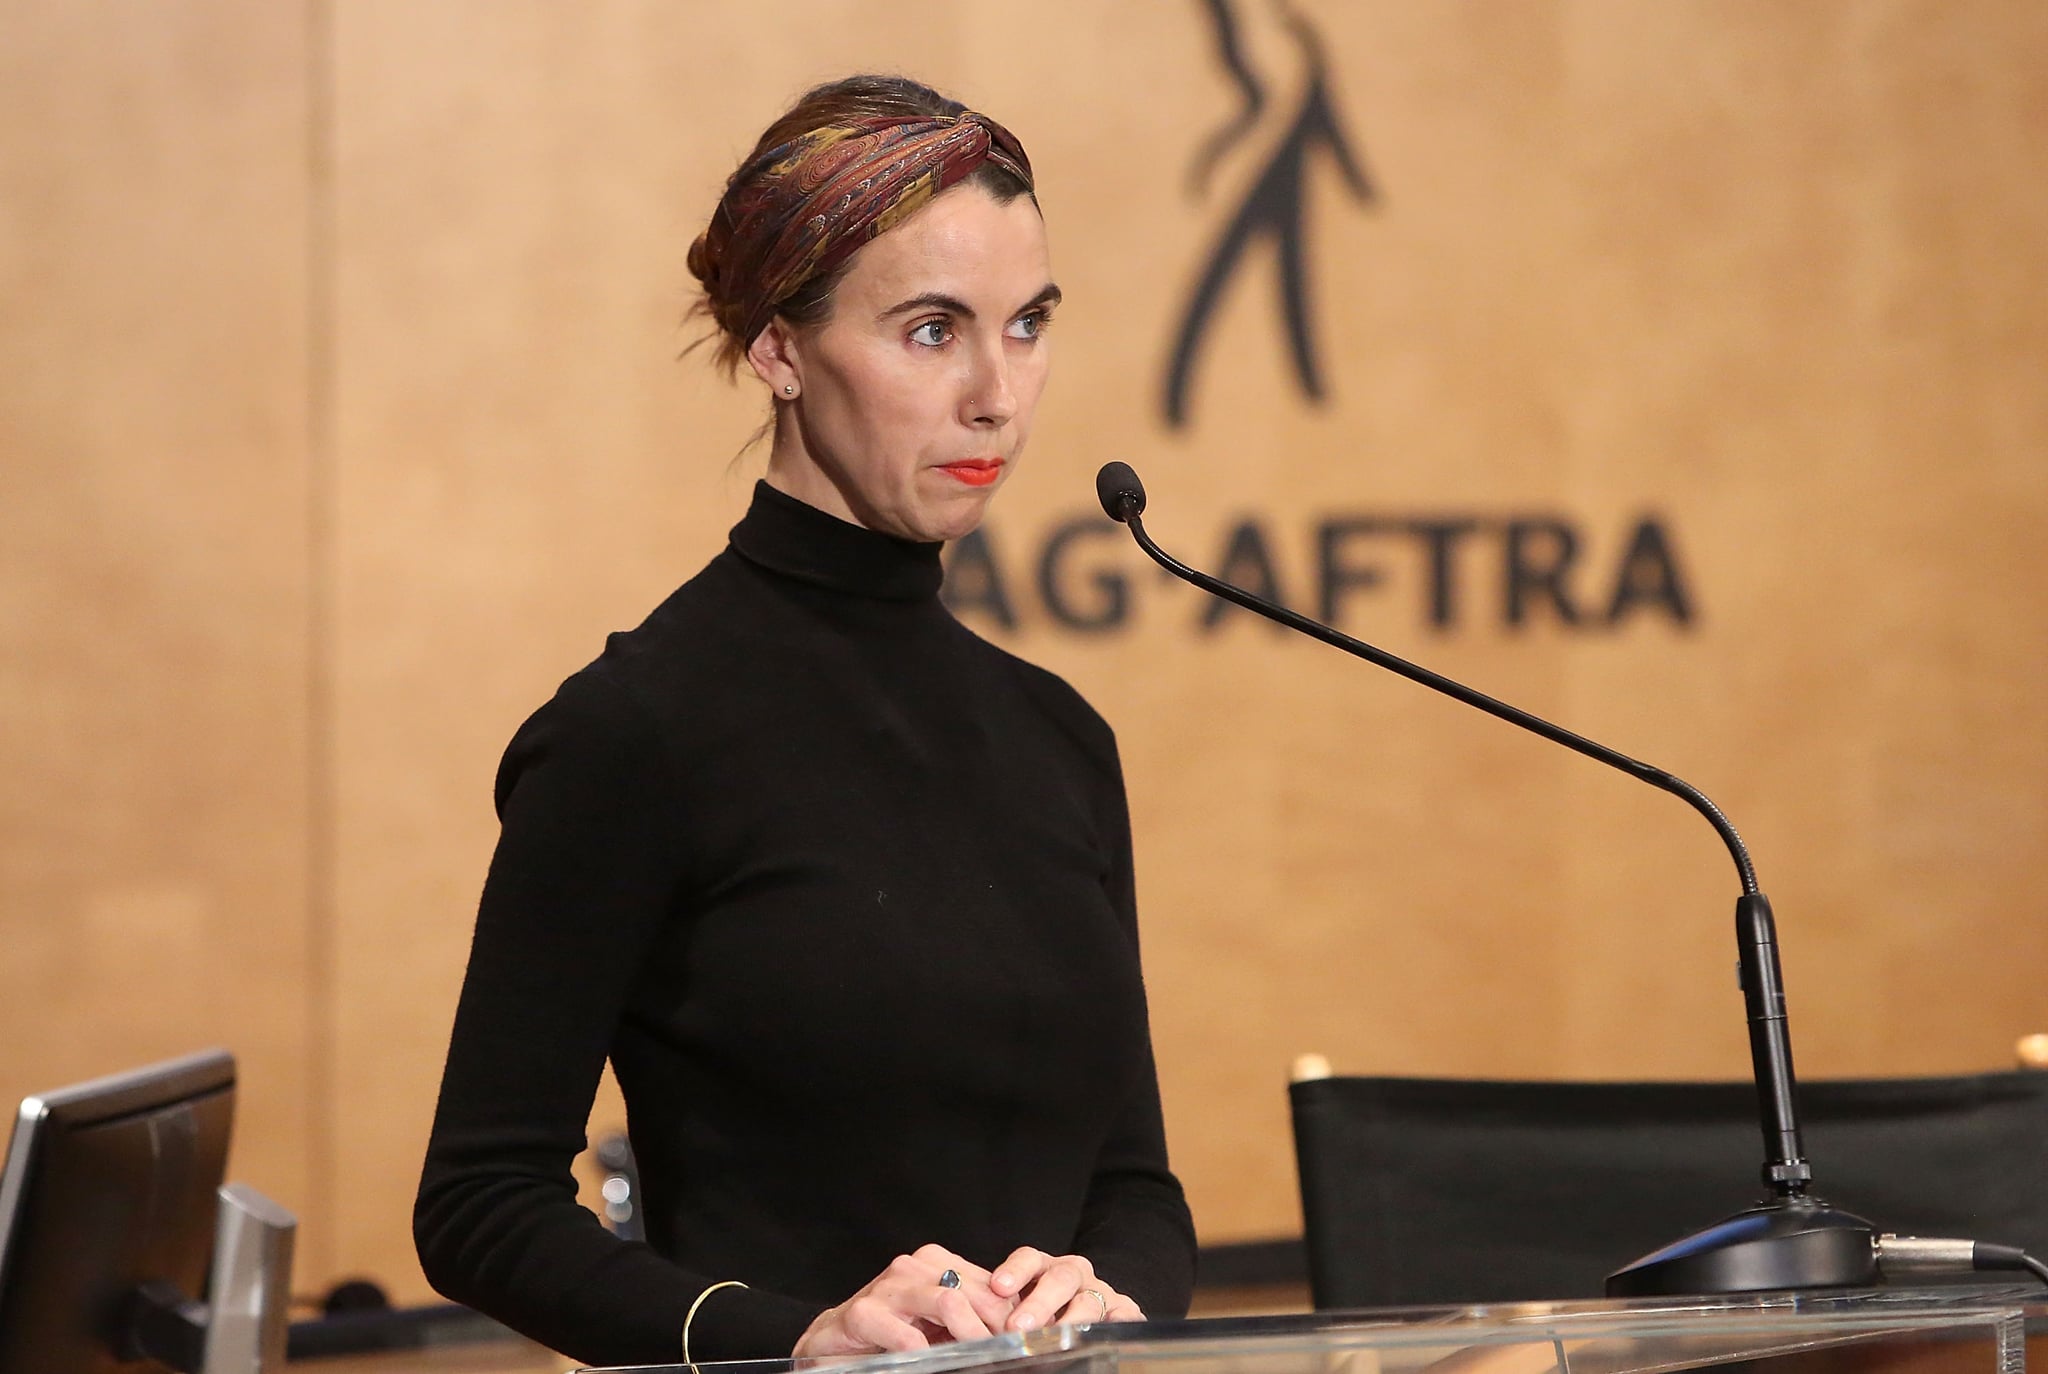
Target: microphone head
1121 493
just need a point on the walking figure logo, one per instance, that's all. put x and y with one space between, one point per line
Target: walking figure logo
1274 208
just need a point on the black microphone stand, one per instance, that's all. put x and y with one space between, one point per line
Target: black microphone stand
1791 1239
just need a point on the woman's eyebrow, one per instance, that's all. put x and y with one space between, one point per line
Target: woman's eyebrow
1049 294
930 300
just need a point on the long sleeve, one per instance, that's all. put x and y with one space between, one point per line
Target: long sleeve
1135 1226
584 877
765 854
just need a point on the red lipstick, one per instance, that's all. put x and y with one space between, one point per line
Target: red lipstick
975 472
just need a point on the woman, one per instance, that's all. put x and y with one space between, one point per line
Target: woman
842 891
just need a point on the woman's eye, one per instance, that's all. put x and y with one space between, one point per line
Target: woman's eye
1029 326
931 333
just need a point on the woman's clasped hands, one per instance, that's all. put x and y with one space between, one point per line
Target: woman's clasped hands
934 1296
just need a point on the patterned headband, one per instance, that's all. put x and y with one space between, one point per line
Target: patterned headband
804 207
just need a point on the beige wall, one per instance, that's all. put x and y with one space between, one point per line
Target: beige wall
156 620
341 416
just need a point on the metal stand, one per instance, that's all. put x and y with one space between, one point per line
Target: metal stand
249 1293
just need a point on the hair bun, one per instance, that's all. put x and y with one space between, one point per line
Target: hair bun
701 264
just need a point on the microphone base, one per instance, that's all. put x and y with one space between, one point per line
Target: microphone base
1787 1243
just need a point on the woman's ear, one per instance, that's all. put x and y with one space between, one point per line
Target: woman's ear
773 356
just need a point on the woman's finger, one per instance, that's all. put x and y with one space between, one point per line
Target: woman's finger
1053 1290
1089 1305
870 1324
991 1308
1015 1274
1096 1302
954 1311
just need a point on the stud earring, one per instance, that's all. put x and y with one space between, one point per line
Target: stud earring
788 389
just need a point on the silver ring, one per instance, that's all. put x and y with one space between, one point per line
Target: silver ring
1101 1301
951 1279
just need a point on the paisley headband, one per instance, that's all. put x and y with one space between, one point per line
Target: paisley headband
804 207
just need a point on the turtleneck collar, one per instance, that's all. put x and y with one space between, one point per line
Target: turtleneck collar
786 536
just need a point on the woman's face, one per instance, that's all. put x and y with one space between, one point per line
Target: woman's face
914 399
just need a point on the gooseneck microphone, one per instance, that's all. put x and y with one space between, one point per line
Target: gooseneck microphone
1790 1240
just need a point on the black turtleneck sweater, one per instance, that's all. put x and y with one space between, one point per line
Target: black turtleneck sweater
844 892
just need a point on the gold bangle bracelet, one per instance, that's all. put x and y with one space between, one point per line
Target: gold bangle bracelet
692 1315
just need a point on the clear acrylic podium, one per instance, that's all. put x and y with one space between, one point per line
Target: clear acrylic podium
1978 1330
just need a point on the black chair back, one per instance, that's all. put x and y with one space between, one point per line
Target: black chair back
1444 1191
